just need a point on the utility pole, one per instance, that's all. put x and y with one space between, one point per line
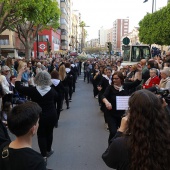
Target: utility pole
37 45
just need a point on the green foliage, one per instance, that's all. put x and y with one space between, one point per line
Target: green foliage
154 28
82 58
38 12
82 24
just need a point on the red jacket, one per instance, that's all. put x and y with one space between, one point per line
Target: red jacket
151 82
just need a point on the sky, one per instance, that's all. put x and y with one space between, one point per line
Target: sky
98 13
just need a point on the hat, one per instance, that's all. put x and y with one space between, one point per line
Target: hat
5 68
166 71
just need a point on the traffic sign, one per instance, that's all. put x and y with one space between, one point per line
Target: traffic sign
42 46
126 41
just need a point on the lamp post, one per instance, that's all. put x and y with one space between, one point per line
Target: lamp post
153 4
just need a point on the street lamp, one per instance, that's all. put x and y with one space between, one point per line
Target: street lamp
153 4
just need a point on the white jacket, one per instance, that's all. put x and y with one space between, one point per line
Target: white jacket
5 84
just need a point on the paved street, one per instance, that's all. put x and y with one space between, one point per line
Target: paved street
81 138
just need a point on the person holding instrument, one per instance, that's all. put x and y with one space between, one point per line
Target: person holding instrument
143 140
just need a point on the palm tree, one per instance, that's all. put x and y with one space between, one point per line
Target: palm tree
82 25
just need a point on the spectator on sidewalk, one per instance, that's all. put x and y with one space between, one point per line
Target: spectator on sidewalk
153 80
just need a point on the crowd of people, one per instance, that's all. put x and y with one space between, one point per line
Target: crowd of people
139 135
50 84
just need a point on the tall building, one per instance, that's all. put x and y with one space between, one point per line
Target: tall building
120 28
102 36
64 23
110 35
75 32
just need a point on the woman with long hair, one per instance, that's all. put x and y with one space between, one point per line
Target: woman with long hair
10 63
143 139
64 79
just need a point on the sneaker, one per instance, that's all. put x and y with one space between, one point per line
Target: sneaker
70 100
96 97
50 153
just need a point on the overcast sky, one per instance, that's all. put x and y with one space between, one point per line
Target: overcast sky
98 13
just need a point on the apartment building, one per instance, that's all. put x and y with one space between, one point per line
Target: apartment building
102 36
75 31
64 23
120 28
8 44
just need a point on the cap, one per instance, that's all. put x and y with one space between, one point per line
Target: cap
5 68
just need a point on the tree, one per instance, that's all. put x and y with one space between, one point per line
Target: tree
154 28
40 14
83 33
10 13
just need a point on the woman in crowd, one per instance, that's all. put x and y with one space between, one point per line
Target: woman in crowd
96 80
25 79
165 79
59 87
117 88
104 83
130 77
143 139
10 64
64 79
46 97
153 80
103 73
70 76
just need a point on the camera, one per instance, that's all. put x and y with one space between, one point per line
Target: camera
164 93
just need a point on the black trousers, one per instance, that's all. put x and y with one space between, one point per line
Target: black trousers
66 90
45 136
113 124
7 98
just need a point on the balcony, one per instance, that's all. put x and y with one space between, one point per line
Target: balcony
64 26
64 37
63 5
64 47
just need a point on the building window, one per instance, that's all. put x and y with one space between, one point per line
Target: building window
63 21
63 32
63 11
43 37
4 39
55 40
